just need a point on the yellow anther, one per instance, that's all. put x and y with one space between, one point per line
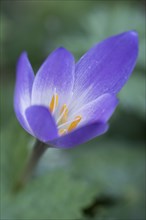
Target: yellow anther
74 123
53 103
62 131
64 113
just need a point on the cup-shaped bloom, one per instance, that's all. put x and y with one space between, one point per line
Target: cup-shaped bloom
67 104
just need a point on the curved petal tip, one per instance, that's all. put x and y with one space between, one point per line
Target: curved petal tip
132 35
23 55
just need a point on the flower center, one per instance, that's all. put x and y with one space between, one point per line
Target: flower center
62 120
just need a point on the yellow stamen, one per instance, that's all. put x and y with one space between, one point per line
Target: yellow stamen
64 113
74 123
53 103
62 131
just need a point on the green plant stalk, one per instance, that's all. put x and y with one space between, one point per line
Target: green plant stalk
38 150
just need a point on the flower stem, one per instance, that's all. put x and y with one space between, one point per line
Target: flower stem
38 150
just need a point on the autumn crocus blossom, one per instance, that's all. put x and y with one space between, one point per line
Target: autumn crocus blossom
67 104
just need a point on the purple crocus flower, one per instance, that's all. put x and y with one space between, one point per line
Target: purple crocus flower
67 104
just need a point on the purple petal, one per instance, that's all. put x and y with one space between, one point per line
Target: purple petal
23 87
106 67
42 123
99 109
55 75
80 135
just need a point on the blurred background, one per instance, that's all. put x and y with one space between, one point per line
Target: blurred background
104 178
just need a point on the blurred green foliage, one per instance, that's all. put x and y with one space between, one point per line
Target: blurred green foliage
102 179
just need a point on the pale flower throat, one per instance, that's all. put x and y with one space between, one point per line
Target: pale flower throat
63 116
